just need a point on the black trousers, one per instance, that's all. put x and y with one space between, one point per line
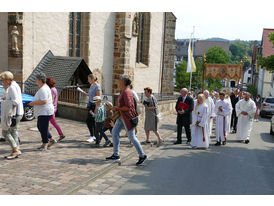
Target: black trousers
91 124
43 127
234 120
179 132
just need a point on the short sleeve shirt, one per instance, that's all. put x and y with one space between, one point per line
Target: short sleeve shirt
44 93
92 91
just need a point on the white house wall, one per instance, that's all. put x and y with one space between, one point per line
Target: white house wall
149 76
3 41
42 32
101 46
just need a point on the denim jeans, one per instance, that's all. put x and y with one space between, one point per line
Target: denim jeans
11 135
43 127
118 126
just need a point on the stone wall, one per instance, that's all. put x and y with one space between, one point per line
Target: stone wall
4 41
167 86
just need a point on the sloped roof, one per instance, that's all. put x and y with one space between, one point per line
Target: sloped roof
61 68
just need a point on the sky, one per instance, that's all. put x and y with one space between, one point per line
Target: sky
233 19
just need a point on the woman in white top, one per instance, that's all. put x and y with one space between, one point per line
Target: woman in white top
199 131
43 110
13 97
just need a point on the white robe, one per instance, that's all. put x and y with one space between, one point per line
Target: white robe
221 120
229 116
210 113
199 133
244 124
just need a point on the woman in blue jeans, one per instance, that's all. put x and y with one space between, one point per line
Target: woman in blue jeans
127 112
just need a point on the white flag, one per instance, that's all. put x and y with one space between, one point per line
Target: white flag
191 67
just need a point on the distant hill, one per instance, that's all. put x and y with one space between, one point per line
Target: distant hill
216 39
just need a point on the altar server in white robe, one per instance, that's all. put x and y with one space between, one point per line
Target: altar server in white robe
245 110
210 113
227 98
199 127
222 110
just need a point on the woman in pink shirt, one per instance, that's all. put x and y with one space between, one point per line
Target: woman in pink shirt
51 83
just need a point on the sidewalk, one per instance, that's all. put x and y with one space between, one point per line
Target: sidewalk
69 165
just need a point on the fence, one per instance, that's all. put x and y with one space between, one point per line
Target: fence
70 94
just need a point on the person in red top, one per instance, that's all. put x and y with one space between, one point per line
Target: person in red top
127 112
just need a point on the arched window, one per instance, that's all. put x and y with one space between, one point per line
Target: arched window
142 54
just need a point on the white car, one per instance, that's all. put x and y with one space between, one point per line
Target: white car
267 106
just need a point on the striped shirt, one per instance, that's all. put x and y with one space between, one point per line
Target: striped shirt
100 113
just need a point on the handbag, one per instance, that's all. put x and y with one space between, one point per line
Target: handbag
134 121
13 121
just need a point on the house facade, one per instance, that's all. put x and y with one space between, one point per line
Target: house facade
140 44
265 81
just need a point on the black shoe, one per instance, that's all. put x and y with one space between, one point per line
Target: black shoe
113 157
218 143
2 140
141 160
224 142
247 141
188 141
111 144
178 142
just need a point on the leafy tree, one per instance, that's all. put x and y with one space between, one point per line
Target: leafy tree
271 37
182 78
216 55
252 89
267 62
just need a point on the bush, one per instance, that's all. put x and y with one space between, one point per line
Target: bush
252 90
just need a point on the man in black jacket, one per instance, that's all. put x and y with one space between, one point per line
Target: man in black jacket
184 116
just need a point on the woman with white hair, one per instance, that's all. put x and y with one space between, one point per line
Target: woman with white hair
10 120
200 138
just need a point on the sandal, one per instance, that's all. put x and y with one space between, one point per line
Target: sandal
61 137
13 155
51 142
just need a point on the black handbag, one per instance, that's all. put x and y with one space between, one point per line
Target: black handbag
134 121
13 121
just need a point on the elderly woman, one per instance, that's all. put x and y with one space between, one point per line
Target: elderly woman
43 110
94 90
51 83
12 102
151 119
127 110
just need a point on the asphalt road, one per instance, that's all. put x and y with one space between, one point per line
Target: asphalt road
234 169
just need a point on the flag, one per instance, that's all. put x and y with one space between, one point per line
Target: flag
190 60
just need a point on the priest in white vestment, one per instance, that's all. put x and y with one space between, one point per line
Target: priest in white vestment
227 98
210 113
245 110
199 127
222 110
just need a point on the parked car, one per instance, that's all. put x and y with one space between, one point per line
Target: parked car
272 125
267 106
28 111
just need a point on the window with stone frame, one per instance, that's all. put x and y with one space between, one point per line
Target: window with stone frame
74 33
142 53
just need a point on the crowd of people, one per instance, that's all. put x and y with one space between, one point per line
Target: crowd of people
232 113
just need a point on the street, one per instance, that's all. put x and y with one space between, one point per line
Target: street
75 167
234 169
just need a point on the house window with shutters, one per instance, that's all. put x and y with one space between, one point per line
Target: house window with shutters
74 33
142 53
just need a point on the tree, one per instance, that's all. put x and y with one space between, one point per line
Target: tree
267 62
182 78
216 55
271 37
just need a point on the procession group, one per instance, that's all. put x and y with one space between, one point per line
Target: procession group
232 112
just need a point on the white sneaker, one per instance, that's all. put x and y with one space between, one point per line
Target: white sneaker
91 139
